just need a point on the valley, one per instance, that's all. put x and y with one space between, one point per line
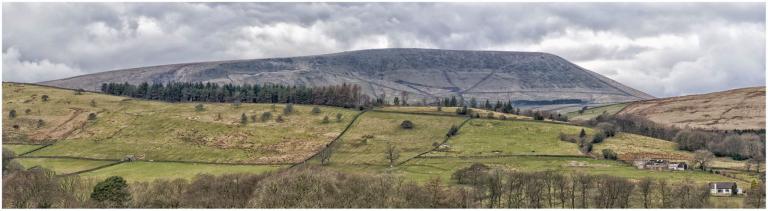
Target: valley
143 140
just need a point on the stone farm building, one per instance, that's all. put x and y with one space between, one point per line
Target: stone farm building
660 164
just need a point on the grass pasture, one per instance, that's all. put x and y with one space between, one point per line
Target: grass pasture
20 148
423 169
61 165
447 111
154 130
484 137
149 171
630 146
383 129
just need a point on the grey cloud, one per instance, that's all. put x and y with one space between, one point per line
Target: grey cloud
624 41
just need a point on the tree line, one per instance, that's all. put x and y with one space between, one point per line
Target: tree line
739 145
315 187
344 95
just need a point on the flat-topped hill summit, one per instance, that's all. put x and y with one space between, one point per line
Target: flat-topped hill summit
423 74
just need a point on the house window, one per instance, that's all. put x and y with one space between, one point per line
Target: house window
719 190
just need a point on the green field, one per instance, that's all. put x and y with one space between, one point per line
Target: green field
149 171
594 112
61 165
446 111
20 148
384 129
155 132
495 137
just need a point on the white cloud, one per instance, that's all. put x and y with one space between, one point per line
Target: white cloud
651 47
18 70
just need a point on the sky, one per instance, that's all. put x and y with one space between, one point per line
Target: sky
664 49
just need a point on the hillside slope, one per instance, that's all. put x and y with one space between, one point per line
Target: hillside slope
425 74
736 109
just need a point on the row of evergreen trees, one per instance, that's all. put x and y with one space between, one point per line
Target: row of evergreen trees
344 95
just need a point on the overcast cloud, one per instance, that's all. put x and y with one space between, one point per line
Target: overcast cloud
663 49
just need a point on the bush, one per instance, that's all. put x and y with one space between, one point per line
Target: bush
266 116
316 110
27 111
503 117
610 154
92 116
40 123
199 108
452 132
473 174
490 115
406 124
243 119
288 109
598 137
45 98
113 191
12 114
338 117
326 120
279 118
608 128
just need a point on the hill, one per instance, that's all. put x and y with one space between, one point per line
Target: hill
157 136
424 74
738 109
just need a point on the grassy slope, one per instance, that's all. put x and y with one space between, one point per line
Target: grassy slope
61 165
149 171
385 129
19 149
495 137
447 111
594 112
152 129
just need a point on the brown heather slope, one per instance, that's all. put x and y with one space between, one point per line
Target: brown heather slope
737 109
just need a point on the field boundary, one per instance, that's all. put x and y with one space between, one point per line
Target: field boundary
154 161
34 150
20 143
334 141
92 169
501 156
438 146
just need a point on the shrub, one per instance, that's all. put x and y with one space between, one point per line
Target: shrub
12 114
610 154
45 98
503 117
243 119
439 107
199 107
266 116
326 120
113 191
79 91
316 110
406 124
452 131
27 111
490 115
288 109
279 118
608 128
93 103
338 117
598 137
472 174
92 116
40 123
